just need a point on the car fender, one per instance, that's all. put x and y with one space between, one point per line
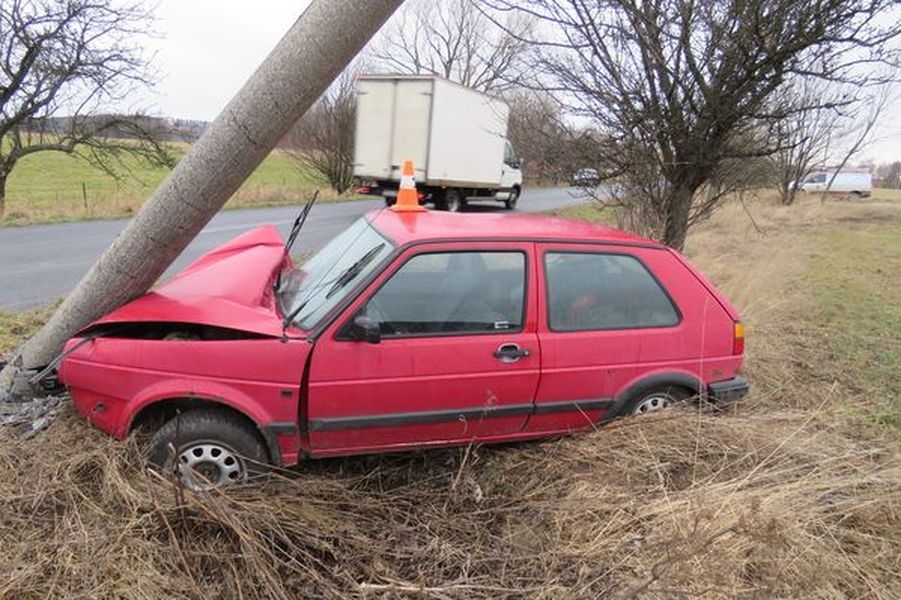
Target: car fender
651 381
210 391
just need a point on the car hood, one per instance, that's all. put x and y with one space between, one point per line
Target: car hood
227 287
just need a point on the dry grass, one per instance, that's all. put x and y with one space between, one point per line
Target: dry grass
785 495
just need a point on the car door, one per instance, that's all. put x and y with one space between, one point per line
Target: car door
605 320
457 360
511 173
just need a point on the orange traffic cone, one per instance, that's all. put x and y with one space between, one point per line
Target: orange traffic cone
407 198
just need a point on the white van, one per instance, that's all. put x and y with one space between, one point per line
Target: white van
859 183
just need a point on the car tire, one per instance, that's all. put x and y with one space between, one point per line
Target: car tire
213 447
510 203
452 201
655 400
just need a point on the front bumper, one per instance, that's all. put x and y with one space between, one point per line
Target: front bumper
728 390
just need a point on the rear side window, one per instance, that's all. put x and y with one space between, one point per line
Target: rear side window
591 291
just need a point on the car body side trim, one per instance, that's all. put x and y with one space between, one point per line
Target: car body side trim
544 408
283 428
467 414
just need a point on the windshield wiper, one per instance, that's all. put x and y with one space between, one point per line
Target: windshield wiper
337 283
353 270
295 231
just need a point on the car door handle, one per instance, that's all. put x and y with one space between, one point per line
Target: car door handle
509 353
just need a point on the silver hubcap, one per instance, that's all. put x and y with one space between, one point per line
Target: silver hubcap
652 403
205 466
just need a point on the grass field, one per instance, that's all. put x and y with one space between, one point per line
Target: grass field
54 187
793 493
884 194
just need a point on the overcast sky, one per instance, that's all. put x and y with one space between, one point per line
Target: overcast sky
206 49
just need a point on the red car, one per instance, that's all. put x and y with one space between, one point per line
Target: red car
407 331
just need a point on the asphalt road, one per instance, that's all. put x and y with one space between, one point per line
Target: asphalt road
39 263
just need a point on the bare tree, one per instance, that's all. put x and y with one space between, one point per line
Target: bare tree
680 87
455 40
889 175
313 52
323 139
861 133
805 135
538 130
72 57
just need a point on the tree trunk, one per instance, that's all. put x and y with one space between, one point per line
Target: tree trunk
2 195
788 191
316 48
675 226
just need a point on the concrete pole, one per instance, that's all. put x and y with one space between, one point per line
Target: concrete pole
315 50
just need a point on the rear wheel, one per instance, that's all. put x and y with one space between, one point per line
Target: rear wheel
208 448
656 400
452 201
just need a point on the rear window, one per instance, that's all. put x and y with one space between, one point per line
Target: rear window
596 291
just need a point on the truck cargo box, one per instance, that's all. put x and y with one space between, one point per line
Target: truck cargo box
454 135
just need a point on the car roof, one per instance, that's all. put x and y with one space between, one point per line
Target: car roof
410 227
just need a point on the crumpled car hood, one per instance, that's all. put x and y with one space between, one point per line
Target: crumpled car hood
229 287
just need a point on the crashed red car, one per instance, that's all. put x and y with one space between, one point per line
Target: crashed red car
408 330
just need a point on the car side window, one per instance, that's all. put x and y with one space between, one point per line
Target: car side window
451 293
592 291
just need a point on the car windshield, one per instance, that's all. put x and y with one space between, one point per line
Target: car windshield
309 291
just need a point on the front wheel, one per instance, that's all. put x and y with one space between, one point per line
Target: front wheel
510 203
208 448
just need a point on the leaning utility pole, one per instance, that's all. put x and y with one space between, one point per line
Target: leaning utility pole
318 46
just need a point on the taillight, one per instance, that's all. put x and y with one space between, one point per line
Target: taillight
738 338
363 189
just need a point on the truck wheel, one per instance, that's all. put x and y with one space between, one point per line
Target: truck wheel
208 448
453 201
510 203
390 201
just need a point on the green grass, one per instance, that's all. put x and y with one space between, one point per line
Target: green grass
589 211
887 195
854 279
51 186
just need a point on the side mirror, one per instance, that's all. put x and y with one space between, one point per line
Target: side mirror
366 329
516 163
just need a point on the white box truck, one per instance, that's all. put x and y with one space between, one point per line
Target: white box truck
857 183
455 136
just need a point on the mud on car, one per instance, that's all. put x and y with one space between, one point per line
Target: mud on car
406 331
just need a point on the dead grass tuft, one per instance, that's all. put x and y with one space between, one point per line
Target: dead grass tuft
783 495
